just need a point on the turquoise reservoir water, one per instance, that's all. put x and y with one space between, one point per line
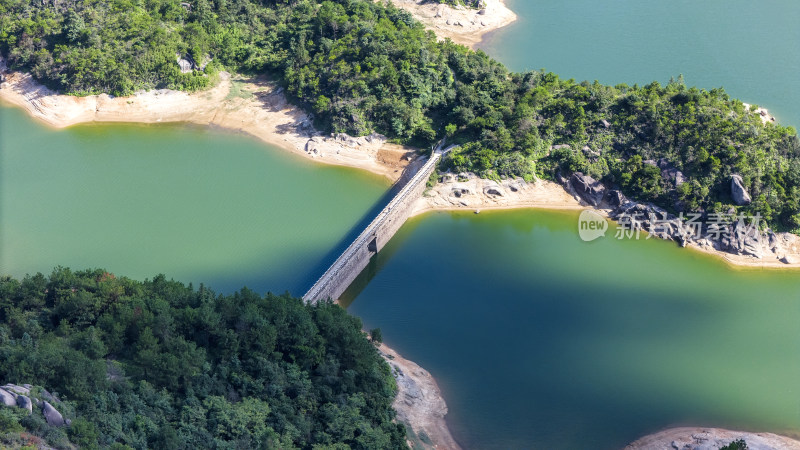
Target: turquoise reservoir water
193 203
751 48
537 339
540 340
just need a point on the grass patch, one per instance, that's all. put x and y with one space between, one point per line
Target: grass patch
238 91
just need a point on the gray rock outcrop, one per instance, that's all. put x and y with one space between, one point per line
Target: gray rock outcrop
670 172
743 240
185 63
460 190
50 397
493 190
53 417
738 192
7 398
312 147
589 189
25 403
20 396
733 234
616 198
20 390
591 154
736 237
654 220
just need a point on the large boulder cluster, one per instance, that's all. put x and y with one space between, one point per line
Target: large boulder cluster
738 237
23 396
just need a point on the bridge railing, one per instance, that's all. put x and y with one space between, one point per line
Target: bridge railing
333 271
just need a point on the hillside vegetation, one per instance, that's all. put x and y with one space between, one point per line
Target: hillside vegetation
157 364
361 67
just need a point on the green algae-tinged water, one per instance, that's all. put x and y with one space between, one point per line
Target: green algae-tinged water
751 48
196 204
540 340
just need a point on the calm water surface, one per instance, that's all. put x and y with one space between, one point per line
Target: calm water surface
193 203
540 340
751 48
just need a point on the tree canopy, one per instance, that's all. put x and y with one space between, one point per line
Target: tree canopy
157 364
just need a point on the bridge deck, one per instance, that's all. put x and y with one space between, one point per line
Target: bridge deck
353 260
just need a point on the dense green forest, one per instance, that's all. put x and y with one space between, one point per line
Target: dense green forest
361 67
157 364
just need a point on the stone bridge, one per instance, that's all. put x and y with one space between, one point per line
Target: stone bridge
355 258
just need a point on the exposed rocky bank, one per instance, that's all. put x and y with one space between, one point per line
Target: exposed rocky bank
739 241
419 403
466 26
711 439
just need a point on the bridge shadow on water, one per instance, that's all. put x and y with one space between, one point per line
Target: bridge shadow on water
376 263
316 272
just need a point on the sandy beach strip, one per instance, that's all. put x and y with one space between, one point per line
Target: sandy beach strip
465 26
251 105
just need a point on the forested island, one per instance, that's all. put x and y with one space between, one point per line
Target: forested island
363 67
158 364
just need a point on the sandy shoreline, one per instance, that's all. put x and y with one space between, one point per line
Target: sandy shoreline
462 25
251 105
476 194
